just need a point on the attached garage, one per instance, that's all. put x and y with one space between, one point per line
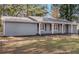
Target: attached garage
19 27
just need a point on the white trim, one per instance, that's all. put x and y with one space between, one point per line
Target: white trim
39 29
3 24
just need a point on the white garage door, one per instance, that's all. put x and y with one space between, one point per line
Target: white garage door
13 29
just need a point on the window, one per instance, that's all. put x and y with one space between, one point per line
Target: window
43 26
55 26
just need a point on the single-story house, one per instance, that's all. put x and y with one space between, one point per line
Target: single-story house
34 25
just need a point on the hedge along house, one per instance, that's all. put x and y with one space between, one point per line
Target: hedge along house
33 25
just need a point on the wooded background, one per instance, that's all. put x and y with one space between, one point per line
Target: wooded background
64 11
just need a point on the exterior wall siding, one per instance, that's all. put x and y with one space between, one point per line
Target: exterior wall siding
20 29
75 29
78 28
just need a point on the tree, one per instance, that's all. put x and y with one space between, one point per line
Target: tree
1 10
67 11
12 10
27 10
36 10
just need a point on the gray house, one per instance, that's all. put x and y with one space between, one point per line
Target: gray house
33 25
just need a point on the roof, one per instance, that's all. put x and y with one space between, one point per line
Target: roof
41 19
16 19
48 19
35 19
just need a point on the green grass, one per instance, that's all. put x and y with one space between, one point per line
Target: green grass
41 44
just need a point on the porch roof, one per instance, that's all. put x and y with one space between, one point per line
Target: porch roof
51 20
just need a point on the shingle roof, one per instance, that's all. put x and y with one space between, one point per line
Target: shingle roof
47 19
16 19
35 19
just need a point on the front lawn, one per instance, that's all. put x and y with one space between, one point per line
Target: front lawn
40 44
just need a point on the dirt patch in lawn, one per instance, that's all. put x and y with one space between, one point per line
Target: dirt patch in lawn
40 44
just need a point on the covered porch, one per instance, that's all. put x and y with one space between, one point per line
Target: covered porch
57 28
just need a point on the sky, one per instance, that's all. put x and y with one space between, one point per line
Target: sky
49 9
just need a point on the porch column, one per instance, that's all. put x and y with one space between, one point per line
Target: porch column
62 28
52 28
39 29
71 31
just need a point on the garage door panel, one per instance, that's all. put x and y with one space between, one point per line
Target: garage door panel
20 29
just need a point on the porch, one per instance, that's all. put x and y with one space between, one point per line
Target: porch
56 28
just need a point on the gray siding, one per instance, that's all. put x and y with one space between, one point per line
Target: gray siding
75 29
15 29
